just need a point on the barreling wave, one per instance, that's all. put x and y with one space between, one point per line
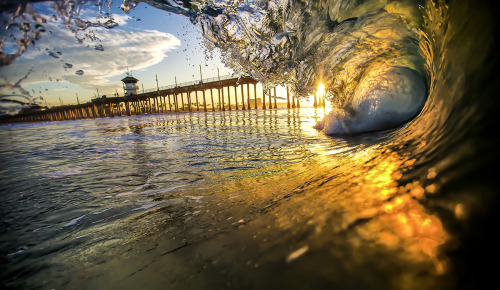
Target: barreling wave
366 53
383 63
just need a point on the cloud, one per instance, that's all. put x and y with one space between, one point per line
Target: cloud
122 49
58 56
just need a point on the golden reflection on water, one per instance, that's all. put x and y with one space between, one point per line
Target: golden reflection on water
400 221
338 184
367 188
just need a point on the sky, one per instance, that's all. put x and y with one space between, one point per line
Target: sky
147 42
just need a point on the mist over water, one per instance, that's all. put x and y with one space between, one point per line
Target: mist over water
394 189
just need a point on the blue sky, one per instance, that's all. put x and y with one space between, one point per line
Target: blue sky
148 41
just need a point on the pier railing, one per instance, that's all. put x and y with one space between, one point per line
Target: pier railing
191 83
187 84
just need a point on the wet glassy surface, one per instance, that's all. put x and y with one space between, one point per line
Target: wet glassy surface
235 199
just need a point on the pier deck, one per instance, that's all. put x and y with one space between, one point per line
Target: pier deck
168 99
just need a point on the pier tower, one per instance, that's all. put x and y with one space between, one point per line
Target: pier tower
130 85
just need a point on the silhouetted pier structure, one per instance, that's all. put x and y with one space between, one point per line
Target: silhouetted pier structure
168 99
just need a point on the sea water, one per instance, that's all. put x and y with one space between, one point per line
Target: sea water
240 199
98 191
261 199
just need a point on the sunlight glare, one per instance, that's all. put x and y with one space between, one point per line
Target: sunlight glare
321 88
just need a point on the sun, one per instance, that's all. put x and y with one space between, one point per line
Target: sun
321 88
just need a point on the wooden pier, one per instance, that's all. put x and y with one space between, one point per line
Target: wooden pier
168 99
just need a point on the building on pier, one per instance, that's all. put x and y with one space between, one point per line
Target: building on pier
130 85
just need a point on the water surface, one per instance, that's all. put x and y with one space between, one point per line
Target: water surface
241 199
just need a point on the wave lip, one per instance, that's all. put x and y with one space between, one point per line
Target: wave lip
383 99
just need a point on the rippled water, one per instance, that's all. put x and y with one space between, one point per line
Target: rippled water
261 199
74 191
238 199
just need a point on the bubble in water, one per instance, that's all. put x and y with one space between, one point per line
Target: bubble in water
99 47
40 27
79 72
53 54
110 24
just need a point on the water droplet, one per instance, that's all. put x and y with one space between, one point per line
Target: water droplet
110 24
53 54
99 47
40 27
68 65
79 72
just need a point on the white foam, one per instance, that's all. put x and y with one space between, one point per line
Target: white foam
296 254
144 185
197 198
160 173
19 251
74 221
104 210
